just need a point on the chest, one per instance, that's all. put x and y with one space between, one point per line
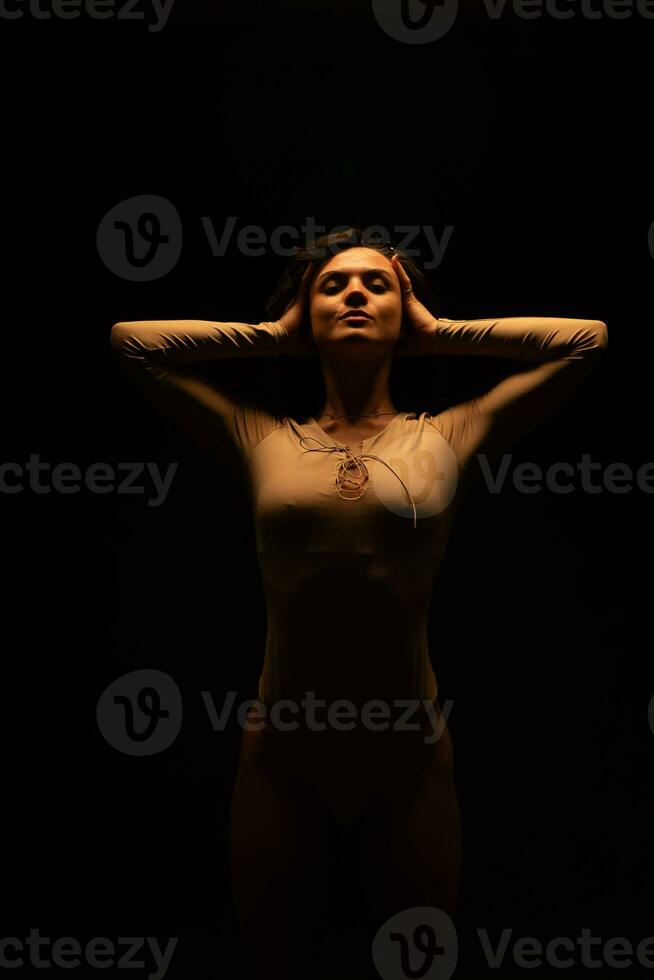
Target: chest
351 436
309 495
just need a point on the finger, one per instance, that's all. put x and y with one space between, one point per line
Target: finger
304 282
401 273
406 286
301 290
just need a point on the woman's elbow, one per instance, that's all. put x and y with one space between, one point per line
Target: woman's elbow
593 337
602 332
121 334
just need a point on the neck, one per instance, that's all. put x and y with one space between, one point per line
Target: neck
355 390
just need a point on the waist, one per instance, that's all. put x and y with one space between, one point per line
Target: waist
360 751
345 721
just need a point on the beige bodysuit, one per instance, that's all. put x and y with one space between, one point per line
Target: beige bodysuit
350 539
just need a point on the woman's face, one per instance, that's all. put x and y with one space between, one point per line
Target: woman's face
363 281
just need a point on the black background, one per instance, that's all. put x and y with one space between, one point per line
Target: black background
529 137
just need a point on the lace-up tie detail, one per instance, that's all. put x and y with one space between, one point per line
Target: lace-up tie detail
352 476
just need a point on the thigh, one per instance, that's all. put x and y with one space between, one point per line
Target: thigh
411 835
280 842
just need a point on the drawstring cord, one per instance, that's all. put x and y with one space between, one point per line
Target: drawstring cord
347 484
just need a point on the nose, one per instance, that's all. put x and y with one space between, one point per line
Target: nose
356 295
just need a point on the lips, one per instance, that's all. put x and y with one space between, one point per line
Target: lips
354 313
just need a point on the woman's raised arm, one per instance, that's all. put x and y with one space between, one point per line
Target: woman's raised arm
562 352
158 355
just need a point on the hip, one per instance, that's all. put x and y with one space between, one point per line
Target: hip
418 736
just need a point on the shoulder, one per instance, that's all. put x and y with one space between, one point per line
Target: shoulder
252 424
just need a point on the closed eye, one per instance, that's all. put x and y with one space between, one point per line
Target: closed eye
379 286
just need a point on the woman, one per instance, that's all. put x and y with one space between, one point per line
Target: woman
352 509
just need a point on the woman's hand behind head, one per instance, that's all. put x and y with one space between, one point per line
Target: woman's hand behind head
298 344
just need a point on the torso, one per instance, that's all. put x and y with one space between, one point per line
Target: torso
348 576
